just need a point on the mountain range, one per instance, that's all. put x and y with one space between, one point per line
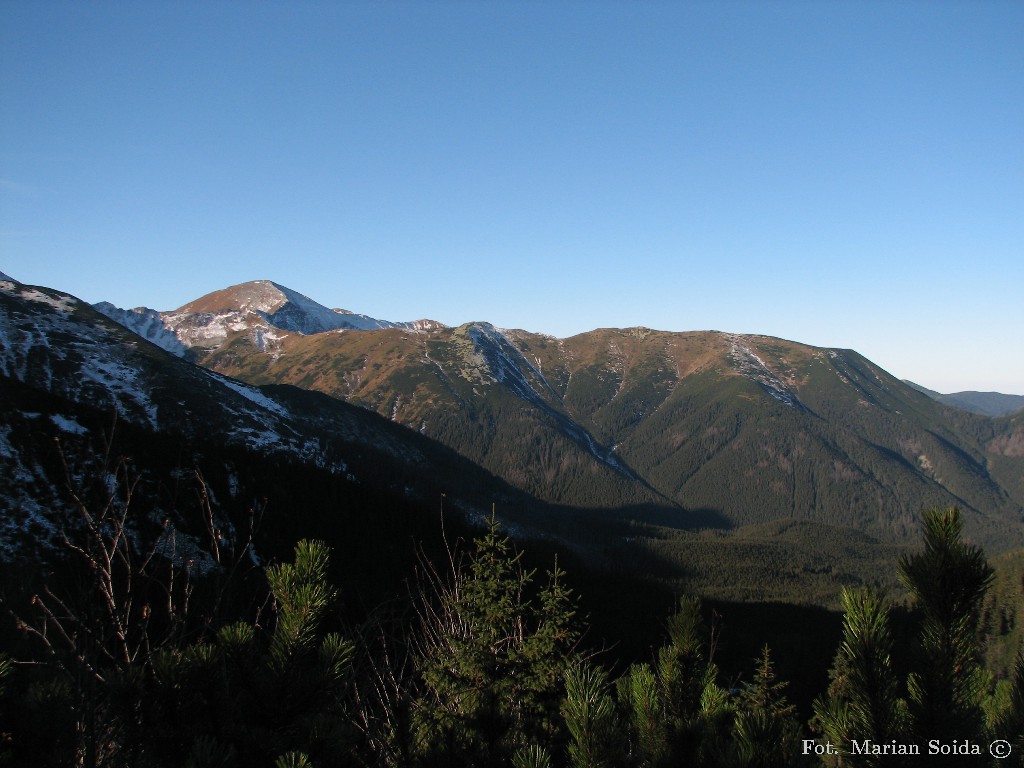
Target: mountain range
722 429
986 403
672 445
71 376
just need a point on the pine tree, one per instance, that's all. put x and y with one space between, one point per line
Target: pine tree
677 712
251 697
305 672
948 581
947 684
1009 723
532 756
589 713
545 654
638 695
863 700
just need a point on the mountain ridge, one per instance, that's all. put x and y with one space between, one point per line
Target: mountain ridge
225 300
755 427
64 364
675 455
280 307
985 403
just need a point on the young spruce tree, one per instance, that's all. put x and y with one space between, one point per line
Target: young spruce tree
491 658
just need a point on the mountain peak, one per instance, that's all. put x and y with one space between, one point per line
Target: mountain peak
254 295
266 307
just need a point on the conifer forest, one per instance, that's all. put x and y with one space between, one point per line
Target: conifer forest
122 655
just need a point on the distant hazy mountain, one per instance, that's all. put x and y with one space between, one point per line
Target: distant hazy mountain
728 429
986 403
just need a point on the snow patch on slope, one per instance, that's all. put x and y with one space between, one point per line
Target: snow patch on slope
493 358
62 303
253 395
754 368
23 520
122 381
300 313
203 329
146 323
65 424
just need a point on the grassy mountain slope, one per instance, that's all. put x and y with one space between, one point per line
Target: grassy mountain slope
729 429
466 387
320 465
58 356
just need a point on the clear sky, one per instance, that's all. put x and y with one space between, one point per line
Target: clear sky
846 174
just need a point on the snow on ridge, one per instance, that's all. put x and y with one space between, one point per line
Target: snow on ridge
147 323
493 349
264 296
495 358
755 369
289 310
97 358
504 335
263 305
300 313
423 324
62 303
491 360
311 318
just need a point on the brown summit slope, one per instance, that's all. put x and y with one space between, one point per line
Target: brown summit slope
726 429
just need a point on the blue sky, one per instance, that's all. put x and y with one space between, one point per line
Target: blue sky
842 174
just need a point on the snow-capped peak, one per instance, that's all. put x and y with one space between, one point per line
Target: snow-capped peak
264 306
